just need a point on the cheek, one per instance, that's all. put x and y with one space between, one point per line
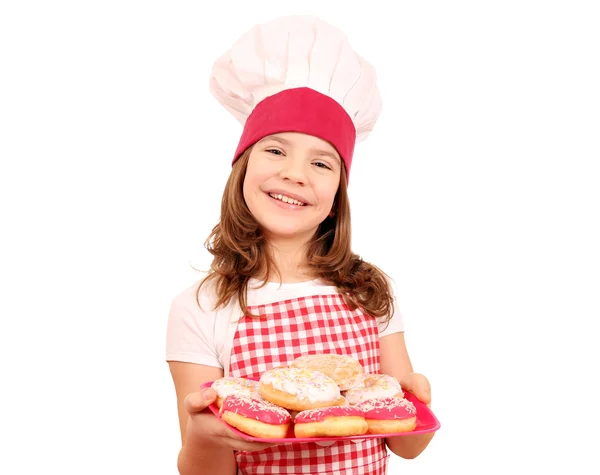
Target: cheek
245 190
252 186
256 175
327 196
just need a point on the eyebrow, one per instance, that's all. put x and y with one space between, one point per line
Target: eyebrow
312 149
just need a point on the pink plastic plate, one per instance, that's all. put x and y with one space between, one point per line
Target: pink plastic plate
426 422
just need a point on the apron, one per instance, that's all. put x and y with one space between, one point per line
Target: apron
292 328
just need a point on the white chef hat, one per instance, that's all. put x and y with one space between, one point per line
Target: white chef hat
298 74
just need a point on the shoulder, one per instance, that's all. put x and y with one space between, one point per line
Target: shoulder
196 331
395 322
197 296
193 311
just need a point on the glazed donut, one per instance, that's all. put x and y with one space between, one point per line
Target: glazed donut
255 417
299 389
374 386
389 415
333 421
344 370
231 385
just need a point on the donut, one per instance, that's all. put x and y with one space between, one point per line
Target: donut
231 385
389 415
255 417
374 386
332 421
299 389
344 370
342 402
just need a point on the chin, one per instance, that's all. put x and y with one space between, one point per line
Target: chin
289 232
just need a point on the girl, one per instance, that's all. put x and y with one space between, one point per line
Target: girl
284 281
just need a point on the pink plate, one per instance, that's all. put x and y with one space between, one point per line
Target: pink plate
426 422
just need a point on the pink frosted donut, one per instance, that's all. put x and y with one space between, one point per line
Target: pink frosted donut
231 385
255 416
332 421
374 386
389 415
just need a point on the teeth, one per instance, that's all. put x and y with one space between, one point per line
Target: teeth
286 199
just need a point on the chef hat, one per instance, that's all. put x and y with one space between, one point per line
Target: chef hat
298 74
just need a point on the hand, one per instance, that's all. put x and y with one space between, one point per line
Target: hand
418 385
205 427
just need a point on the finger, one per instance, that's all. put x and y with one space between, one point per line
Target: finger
326 443
425 394
235 439
407 383
247 446
422 393
198 401
418 385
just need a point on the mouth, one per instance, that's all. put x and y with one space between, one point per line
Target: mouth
286 199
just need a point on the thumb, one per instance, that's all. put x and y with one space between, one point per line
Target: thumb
422 392
198 401
418 386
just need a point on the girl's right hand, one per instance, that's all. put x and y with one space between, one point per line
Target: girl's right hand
203 426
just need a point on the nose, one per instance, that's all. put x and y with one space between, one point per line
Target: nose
293 169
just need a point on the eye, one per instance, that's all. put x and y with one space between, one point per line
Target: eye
322 165
274 151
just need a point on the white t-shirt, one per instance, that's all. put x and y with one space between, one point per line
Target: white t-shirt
205 335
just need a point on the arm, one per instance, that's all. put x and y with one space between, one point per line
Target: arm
395 361
199 455
207 444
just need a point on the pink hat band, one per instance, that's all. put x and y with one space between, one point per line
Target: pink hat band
302 110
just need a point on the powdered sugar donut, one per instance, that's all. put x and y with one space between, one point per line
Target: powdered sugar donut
231 385
255 417
344 370
299 389
389 415
374 386
333 421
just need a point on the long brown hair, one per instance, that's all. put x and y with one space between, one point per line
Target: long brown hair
240 252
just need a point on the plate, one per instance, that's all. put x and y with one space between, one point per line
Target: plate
426 423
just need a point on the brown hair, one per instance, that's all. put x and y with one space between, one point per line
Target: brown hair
239 251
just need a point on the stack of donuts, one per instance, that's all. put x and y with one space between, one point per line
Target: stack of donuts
325 395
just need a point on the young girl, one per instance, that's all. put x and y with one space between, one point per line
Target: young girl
284 281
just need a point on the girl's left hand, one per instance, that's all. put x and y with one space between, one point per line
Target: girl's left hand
418 385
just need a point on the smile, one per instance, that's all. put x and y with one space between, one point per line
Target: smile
286 199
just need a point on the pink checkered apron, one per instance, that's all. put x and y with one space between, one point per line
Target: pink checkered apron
289 329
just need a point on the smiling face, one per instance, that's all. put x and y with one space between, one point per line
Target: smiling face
290 185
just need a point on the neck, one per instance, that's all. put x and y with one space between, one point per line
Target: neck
290 260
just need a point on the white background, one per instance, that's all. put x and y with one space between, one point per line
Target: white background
478 192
